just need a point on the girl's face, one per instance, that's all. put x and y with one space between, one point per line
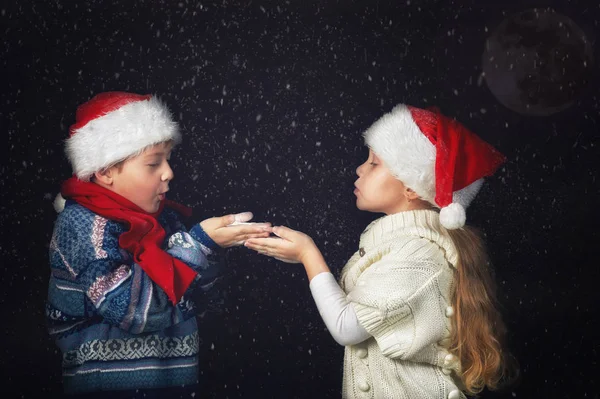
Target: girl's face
377 190
144 179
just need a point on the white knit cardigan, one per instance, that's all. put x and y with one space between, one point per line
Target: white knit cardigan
399 282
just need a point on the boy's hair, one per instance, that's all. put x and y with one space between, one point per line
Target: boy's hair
115 126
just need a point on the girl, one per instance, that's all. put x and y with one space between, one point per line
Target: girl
415 306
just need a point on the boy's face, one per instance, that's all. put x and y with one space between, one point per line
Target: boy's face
144 179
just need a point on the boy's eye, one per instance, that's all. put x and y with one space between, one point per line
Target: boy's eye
153 165
372 163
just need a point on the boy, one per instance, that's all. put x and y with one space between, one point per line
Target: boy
123 265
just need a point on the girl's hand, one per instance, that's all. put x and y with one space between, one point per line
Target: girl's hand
220 231
290 246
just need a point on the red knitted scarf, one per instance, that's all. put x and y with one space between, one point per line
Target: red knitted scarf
144 237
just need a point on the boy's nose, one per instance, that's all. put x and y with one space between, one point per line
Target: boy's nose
168 174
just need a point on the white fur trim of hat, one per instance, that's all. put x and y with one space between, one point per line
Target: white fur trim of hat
105 135
410 140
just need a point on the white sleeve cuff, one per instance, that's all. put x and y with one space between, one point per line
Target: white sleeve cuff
337 313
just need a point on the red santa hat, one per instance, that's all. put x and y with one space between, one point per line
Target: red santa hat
437 157
114 126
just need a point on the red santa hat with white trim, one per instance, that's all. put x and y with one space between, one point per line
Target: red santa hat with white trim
437 157
112 127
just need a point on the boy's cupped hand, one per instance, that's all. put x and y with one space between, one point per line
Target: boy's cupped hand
233 230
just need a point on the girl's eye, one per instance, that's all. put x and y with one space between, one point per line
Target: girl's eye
372 163
153 165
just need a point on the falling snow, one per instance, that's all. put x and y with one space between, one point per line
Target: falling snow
272 101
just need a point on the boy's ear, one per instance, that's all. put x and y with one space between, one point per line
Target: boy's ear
105 176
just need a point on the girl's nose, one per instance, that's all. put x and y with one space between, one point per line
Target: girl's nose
359 169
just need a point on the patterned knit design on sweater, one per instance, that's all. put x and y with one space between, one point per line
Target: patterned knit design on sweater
117 330
399 283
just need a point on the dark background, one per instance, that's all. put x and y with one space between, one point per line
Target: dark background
272 99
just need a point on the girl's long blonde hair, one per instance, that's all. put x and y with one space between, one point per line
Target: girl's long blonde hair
478 333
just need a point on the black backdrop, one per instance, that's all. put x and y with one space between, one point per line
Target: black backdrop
272 99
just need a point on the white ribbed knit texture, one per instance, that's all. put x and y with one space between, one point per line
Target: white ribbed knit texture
400 289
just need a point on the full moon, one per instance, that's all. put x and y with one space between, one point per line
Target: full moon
537 62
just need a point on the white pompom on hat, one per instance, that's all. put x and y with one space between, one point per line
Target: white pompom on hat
114 126
59 203
437 157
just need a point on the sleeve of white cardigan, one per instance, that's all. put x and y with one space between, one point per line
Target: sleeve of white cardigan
399 300
337 313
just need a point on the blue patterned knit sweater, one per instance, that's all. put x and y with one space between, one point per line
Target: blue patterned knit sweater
117 330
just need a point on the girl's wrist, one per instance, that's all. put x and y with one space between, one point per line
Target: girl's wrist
314 263
309 253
